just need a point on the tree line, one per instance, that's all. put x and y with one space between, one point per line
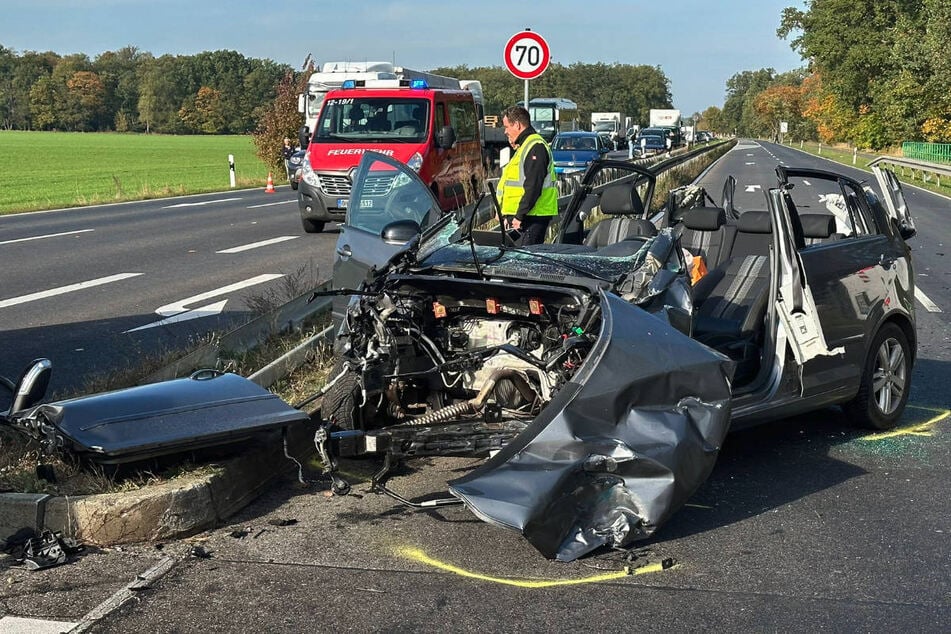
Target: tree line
216 92
629 89
878 74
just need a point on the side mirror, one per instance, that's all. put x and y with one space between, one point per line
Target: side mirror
303 137
400 231
31 387
906 231
446 137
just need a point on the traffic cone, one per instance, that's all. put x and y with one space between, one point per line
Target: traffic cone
270 184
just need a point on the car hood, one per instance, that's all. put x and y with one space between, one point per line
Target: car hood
619 449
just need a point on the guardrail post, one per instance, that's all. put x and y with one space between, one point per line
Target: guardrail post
820 148
855 153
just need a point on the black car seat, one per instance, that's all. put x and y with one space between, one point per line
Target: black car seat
705 233
622 204
731 299
818 228
753 234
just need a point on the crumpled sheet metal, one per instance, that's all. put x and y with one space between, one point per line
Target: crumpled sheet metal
619 449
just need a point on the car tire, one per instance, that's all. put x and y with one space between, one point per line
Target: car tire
312 226
340 402
886 378
294 184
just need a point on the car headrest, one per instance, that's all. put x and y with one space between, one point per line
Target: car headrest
621 200
754 222
819 226
704 218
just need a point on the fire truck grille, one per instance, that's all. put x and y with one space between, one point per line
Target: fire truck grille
376 185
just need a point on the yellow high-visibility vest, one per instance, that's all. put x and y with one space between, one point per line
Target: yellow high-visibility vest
512 182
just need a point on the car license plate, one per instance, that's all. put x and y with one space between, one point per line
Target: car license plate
342 202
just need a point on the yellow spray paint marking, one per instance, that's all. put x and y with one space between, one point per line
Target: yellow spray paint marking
918 429
418 555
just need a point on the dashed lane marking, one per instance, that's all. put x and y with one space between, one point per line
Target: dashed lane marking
925 301
202 203
255 245
48 235
32 297
280 202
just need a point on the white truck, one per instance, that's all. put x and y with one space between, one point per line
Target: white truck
664 118
668 118
614 123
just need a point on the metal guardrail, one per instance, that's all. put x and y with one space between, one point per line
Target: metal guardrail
924 168
291 315
250 335
928 152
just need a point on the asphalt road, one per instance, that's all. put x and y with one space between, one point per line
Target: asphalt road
76 282
805 524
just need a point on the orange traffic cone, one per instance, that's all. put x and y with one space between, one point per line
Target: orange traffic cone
270 184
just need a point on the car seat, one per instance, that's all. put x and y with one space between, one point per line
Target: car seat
622 204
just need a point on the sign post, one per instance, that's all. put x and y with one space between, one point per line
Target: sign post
527 56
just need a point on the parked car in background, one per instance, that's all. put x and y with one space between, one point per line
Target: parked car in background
648 144
294 166
574 151
607 140
703 136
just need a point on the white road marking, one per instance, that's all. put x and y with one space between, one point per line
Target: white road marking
15 624
255 245
751 163
925 301
752 188
280 202
179 311
205 202
32 297
48 235
806 183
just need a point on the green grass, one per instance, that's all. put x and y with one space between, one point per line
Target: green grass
50 170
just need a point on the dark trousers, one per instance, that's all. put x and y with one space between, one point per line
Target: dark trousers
534 229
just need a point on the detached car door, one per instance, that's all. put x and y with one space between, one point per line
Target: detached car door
389 206
895 203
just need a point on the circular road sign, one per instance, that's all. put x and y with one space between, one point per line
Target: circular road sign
527 55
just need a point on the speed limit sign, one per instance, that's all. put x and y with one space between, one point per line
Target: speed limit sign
527 55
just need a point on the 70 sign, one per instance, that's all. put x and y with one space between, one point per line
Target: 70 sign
527 55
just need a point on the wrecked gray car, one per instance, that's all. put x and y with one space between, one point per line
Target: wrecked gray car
569 364
598 372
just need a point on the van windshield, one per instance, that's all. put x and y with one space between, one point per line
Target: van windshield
373 119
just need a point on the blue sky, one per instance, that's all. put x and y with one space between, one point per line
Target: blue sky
699 44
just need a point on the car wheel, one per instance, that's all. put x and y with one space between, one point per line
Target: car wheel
883 392
340 402
312 226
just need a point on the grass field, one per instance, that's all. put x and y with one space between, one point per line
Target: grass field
50 170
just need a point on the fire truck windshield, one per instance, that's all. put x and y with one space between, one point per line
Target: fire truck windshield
382 119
